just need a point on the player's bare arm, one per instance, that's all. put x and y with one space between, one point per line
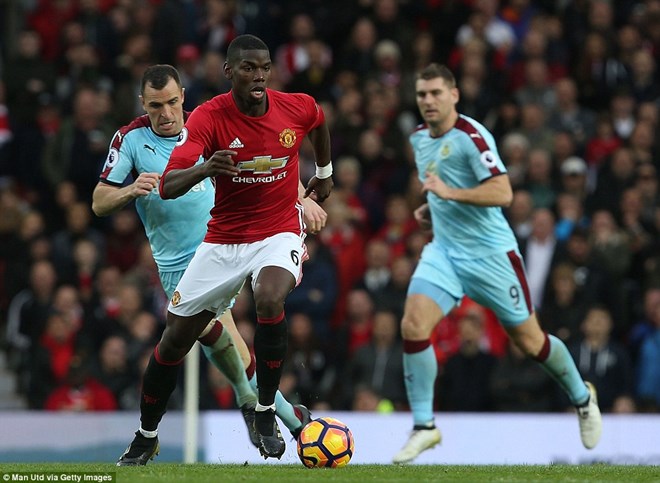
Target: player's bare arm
423 216
108 199
315 216
179 181
495 191
319 188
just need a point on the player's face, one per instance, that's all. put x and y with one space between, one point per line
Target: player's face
437 103
164 108
250 77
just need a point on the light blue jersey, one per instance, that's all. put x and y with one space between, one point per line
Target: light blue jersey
463 157
175 228
474 250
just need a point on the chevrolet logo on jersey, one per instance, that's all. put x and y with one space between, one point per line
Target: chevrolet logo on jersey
263 164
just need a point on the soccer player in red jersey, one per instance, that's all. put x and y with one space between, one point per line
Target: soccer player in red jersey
250 138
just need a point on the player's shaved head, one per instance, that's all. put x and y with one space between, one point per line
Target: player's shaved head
243 42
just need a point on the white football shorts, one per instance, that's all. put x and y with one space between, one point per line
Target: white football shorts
217 272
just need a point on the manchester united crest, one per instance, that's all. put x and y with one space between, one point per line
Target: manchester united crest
288 138
176 298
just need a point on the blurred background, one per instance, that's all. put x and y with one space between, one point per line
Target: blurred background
570 89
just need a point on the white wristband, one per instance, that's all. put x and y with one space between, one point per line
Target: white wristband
323 172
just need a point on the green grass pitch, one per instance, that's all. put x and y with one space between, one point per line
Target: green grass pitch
204 473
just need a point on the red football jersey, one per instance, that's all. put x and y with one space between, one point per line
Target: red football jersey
262 200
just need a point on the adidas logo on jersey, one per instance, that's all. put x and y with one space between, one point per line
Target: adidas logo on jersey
236 143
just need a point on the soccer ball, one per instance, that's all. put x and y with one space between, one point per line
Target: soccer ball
325 443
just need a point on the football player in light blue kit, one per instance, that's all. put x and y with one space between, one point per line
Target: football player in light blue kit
176 227
473 252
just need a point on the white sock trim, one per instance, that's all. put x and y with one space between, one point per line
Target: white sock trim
260 408
148 434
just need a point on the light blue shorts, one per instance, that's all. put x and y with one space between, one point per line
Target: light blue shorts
496 281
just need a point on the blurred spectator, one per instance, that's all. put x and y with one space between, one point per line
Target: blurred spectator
615 175
78 149
563 308
640 230
80 391
602 144
348 186
644 80
537 88
392 296
78 227
574 178
29 84
478 86
358 52
604 362
113 369
519 384
316 78
220 23
610 244
346 245
593 284
505 118
540 251
568 115
465 379
642 142
540 180
533 125
379 364
187 64
515 151
356 327
648 369
26 318
316 294
622 110
307 360
391 23
399 224
485 23
209 83
365 399
87 261
534 45
80 62
215 390
597 72
570 213
377 275
519 214
51 358
143 333
123 239
293 56
18 250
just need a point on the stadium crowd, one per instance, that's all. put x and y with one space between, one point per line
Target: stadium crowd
570 89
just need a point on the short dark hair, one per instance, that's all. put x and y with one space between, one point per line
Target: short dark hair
435 70
243 42
157 76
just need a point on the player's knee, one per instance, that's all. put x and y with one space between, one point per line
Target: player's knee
269 303
414 328
529 346
175 344
169 351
